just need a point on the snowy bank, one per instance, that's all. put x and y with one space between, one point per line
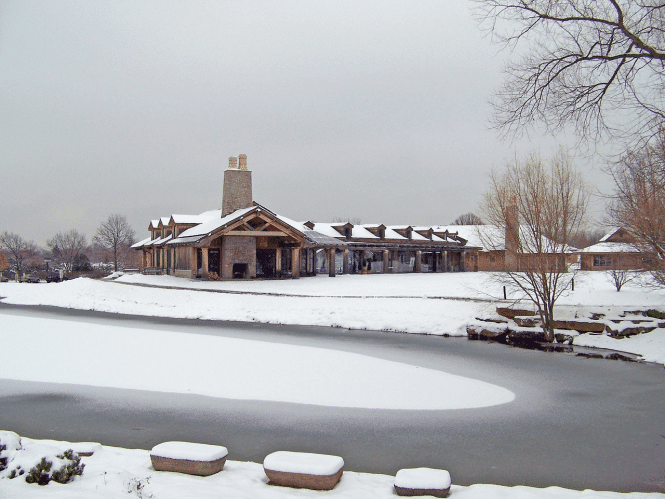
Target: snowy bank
438 304
115 473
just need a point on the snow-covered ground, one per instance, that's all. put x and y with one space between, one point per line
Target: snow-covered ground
114 473
440 304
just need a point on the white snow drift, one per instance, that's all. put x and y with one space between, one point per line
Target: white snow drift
110 356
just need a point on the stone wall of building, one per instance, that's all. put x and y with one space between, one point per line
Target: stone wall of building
238 250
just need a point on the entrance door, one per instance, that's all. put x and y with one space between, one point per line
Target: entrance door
213 261
266 262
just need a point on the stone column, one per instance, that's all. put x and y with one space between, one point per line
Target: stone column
331 262
295 262
418 266
386 261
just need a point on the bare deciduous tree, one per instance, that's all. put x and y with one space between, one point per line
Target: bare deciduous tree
468 219
619 277
540 207
4 264
587 238
639 202
17 249
67 247
116 236
597 65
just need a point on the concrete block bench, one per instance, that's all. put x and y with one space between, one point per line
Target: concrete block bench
189 458
422 482
86 449
303 470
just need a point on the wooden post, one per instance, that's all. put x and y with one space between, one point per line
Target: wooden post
278 261
192 262
445 261
462 261
204 263
386 261
345 263
331 262
295 262
418 266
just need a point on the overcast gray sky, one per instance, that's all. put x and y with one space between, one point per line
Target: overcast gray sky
371 110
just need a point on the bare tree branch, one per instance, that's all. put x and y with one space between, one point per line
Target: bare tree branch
595 65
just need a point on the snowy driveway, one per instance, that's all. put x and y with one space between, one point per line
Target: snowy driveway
580 423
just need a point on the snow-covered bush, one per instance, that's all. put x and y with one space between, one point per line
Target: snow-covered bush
10 443
39 463
43 473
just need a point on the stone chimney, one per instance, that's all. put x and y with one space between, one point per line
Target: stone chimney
512 236
237 193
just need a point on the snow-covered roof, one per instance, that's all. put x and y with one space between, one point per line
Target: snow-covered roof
610 248
293 224
360 232
213 223
609 234
210 221
319 239
159 241
327 229
141 243
189 219
414 235
492 238
476 235
392 235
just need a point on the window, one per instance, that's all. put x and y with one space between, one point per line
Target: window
602 261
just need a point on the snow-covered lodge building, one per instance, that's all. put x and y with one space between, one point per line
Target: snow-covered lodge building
615 251
246 240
